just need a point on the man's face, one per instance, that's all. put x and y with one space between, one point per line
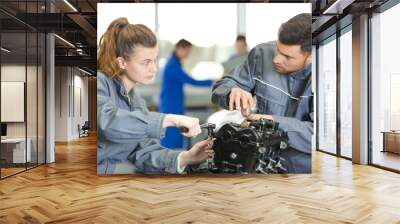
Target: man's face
290 58
183 52
241 47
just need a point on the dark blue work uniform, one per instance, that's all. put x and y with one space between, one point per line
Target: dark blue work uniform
172 99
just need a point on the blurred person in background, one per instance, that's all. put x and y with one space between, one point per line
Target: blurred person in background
172 99
239 56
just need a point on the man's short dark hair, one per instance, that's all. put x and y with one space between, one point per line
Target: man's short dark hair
182 43
241 37
297 31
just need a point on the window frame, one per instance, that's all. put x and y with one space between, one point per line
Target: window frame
379 10
334 37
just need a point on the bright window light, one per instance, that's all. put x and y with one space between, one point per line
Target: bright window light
202 24
207 70
135 13
271 16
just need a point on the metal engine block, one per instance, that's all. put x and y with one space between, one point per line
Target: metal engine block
252 149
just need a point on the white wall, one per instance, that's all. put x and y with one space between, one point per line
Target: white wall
80 83
61 103
33 126
68 83
12 73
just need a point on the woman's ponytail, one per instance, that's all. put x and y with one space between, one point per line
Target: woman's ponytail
119 41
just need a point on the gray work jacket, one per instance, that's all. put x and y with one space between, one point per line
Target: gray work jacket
126 128
288 98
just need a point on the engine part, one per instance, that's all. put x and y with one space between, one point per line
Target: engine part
252 149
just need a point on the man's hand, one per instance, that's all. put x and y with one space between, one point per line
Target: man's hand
197 154
254 117
241 100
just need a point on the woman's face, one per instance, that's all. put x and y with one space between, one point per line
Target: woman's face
142 65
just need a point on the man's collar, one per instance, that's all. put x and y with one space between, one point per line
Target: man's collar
175 57
303 73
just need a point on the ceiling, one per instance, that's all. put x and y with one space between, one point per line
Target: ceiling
76 23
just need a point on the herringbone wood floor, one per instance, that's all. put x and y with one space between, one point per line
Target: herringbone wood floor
70 191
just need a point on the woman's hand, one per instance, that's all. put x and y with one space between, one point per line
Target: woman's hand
191 123
197 154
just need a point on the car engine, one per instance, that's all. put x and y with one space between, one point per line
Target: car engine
255 148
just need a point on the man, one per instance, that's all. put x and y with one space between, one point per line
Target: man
279 75
171 97
239 57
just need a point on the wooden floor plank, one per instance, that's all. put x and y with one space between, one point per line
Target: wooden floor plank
70 191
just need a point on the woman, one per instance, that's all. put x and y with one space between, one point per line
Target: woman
128 134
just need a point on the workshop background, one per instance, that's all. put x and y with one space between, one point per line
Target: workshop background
212 34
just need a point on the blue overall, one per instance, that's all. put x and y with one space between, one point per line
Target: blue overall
172 98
